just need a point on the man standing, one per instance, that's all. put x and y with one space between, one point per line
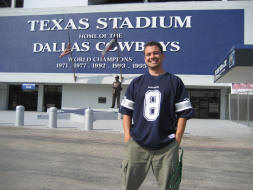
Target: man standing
159 106
116 88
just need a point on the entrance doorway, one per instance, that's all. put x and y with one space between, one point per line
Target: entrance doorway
206 103
26 98
52 96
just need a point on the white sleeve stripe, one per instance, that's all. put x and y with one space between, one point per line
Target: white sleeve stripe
183 106
128 104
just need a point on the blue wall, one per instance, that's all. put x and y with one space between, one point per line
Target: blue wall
197 40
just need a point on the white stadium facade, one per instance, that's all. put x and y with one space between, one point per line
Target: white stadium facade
196 37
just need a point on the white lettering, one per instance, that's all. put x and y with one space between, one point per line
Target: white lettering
174 46
57 25
186 22
125 45
85 23
86 46
115 21
126 22
44 25
146 22
139 46
102 22
162 22
70 25
37 47
32 24
112 22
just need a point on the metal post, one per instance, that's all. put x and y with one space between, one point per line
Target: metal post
88 119
20 115
13 3
52 117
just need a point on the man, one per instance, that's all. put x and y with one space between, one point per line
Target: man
116 88
159 106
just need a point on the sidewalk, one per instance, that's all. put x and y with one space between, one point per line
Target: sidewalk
107 121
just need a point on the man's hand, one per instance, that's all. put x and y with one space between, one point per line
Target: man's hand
181 123
127 138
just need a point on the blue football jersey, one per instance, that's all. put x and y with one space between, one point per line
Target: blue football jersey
155 103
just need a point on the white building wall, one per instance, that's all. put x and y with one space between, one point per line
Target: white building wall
83 96
248 26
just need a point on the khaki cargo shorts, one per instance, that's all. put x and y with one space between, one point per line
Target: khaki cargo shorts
164 163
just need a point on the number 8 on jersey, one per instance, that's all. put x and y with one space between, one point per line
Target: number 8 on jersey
152 105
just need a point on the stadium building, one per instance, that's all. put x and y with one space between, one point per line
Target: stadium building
196 37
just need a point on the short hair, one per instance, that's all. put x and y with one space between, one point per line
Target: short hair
153 43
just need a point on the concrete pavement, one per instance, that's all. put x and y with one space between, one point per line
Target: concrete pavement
217 155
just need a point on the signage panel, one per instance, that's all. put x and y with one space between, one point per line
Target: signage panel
28 86
241 88
194 41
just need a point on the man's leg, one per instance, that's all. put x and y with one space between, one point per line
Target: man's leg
118 100
135 167
113 100
165 164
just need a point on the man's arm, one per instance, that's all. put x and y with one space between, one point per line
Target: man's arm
181 123
127 123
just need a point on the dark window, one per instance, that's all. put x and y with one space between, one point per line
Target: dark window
206 103
98 2
7 3
102 100
52 96
19 3
26 98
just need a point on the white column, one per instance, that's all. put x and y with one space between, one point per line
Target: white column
4 96
223 102
52 121
20 115
229 107
88 119
40 98
13 3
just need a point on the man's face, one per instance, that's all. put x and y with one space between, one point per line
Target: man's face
153 57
